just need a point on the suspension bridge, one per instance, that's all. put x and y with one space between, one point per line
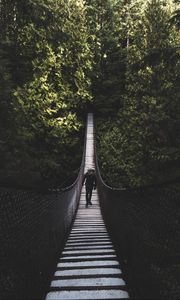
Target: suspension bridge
123 246
88 267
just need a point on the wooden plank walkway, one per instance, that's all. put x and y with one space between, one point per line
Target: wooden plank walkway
88 267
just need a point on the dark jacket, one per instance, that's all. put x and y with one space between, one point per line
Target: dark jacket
90 180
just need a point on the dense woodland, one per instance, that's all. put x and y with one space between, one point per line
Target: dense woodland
60 58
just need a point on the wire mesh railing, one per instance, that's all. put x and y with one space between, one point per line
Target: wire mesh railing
33 229
144 224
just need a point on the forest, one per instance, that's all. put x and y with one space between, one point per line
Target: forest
60 59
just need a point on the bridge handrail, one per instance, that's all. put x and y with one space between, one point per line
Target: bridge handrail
34 227
144 225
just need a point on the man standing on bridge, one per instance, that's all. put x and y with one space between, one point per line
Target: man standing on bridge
90 183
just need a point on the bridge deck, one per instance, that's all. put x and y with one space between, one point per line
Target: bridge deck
88 267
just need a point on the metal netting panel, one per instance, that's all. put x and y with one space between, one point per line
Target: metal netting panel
144 224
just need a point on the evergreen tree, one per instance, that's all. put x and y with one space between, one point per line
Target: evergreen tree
51 83
143 141
58 56
108 65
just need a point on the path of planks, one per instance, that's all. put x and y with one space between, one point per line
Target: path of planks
88 267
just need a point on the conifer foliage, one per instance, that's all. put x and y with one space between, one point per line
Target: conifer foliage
46 59
139 145
58 56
